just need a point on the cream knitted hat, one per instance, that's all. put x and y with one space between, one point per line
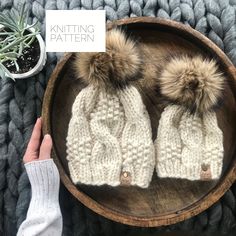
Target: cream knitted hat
109 138
189 143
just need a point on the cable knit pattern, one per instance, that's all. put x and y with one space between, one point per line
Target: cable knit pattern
106 123
110 134
188 146
79 142
213 145
136 141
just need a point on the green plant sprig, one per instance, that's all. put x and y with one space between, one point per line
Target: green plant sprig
17 35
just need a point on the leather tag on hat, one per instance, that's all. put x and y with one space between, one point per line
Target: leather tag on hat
205 172
125 178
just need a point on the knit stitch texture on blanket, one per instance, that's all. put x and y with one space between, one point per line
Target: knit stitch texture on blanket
21 101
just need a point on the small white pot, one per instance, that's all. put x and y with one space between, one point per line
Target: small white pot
41 62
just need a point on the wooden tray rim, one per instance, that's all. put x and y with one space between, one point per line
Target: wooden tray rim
164 219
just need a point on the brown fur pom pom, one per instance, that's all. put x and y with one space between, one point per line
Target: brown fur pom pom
114 68
193 82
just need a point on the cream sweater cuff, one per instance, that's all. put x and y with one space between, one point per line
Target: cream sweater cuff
44 179
44 214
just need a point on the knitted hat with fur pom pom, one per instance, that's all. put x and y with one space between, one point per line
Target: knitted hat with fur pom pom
109 138
189 143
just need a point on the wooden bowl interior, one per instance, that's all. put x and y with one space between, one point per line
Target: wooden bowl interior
163 196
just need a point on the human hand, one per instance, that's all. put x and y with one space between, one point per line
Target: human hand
37 150
44 210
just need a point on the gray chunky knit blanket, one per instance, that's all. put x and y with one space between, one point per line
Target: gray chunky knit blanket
21 101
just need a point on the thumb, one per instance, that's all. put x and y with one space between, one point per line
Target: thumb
45 148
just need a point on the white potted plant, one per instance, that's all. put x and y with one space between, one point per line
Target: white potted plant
22 49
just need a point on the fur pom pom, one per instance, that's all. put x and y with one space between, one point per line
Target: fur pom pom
193 82
114 68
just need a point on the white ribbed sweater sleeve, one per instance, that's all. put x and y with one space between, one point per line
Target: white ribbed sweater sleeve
44 215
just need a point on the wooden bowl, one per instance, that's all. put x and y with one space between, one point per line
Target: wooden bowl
166 201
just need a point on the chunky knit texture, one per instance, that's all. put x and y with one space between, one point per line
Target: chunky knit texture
109 137
189 146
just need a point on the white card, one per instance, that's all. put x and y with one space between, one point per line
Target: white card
75 30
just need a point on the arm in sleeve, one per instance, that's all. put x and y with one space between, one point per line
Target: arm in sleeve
44 215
